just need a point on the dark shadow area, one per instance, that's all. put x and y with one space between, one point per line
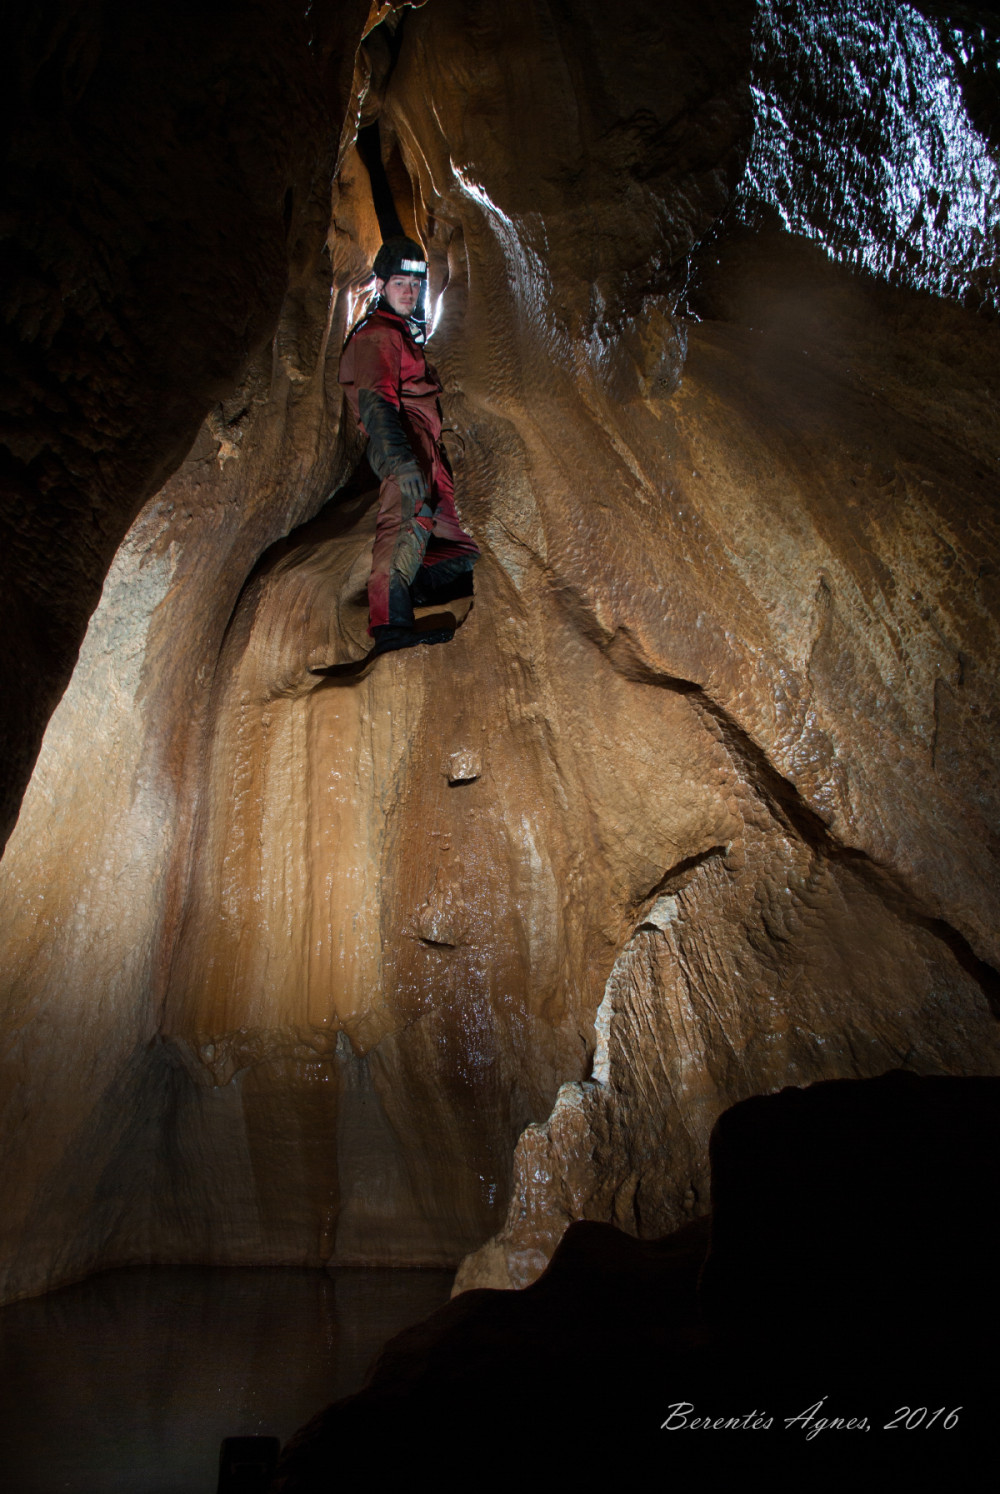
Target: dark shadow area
370 151
840 1309
131 1380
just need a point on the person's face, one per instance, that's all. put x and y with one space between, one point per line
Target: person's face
401 291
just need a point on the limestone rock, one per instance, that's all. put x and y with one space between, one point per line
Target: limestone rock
699 802
157 189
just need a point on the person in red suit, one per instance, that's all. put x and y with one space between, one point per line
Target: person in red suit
422 554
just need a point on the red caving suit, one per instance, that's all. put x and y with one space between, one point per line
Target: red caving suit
382 356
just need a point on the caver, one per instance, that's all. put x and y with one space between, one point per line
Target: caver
422 554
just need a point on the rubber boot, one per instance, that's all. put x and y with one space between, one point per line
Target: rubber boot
388 638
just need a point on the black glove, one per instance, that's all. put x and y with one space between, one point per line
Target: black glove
389 448
412 484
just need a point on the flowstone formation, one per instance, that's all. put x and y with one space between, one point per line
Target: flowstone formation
699 802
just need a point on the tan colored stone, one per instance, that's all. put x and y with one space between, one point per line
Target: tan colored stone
699 801
162 191
463 766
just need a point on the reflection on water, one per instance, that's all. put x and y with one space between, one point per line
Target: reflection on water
129 1381
863 141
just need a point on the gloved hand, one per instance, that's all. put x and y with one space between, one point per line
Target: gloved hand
412 484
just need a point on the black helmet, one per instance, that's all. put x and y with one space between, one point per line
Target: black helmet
400 257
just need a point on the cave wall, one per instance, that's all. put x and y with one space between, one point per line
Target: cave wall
698 803
81 1090
164 166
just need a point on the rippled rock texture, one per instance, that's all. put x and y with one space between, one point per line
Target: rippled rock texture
698 803
159 178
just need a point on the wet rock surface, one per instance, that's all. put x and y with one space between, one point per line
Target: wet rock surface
700 800
908 190
781 908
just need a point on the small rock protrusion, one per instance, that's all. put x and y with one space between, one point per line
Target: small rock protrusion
464 766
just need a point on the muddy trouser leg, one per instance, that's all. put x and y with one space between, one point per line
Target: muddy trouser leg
446 570
401 538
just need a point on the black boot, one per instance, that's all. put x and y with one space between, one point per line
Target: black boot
388 638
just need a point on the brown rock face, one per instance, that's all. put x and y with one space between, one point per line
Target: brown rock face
159 177
697 804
